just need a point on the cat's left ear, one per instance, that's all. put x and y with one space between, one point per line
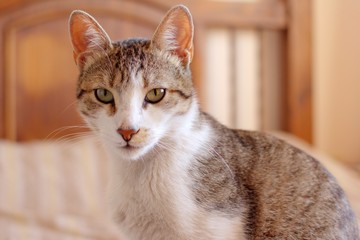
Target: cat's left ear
175 34
87 36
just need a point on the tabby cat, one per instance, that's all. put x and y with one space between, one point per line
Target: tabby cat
176 172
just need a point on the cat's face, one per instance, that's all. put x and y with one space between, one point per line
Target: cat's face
135 94
146 93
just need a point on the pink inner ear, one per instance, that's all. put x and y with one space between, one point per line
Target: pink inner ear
184 41
175 34
86 34
78 27
181 24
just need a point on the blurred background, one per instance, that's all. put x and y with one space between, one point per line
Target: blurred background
285 66
268 65
336 78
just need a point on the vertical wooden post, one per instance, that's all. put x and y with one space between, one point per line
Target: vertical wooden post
198 61
2 87
299 79
272 80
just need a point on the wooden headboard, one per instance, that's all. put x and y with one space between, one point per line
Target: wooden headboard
38 75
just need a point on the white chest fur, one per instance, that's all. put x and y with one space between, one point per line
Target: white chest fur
152 199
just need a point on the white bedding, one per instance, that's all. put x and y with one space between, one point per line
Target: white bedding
53 191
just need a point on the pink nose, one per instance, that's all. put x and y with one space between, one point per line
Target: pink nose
127 134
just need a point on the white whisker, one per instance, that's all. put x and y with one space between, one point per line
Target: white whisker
68 107
60 130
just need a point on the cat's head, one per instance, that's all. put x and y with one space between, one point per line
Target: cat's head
135 94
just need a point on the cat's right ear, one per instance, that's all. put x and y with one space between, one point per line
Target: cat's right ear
87 36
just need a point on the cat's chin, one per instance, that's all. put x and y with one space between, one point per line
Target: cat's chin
129 152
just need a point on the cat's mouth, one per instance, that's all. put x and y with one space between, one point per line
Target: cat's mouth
130 151
130 147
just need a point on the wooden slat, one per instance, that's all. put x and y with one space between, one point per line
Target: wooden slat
10 5
270 14
272 76
247 78
2 88
299 86
197 65
218 74
128 10
258 14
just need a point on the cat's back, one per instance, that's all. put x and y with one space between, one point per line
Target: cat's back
288 194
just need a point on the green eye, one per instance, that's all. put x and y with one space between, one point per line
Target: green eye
103 95
155 95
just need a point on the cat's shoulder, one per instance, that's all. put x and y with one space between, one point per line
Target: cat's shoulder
244 137
255 145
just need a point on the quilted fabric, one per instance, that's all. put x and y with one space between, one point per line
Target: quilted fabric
54 191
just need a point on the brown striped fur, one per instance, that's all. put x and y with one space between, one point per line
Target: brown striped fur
183 175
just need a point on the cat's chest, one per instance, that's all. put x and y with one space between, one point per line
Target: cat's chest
161 205
155 200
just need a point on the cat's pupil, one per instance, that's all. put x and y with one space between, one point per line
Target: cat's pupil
104 96
155 95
